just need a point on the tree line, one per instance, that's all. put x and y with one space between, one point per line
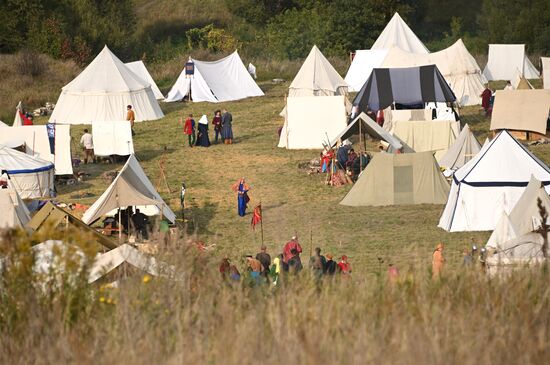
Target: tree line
281 29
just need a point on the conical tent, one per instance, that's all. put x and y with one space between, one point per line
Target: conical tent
30 176
223 80
362 65
317 77
491 183
138 67
515 239
17 120
131 187
505 60
365 125
398 34
399 179
101 93
14 212
465 147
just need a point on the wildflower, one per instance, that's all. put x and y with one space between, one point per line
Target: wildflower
146 279
102 299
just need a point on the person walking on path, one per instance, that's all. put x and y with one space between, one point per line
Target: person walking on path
189 129
227 129
217 123
437 260
265 259
87 142
318 263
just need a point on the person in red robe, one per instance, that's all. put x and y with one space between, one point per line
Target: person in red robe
344 267
486 99
289 246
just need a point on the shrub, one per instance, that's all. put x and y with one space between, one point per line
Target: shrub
30 63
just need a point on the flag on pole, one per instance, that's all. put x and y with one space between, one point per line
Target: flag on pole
257 216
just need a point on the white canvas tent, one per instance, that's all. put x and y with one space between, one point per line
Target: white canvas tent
514 240
491 183
313 121
463 150
436 136
223 80
523 110
2 124
545 61
505 60
138 67
317 77
102 91
398 34
36 141
131 187
14 212
112 138
17 120
456 64
30 176
363 124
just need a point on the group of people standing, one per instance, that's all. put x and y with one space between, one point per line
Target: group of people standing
262 267
197 133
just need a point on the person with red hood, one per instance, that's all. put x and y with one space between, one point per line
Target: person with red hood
486 99
289 246
437 260
344 267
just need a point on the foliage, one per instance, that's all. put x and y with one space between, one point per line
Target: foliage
30 63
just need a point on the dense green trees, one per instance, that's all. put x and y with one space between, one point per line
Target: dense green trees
78 29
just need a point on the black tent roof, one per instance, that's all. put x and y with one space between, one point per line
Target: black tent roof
410 85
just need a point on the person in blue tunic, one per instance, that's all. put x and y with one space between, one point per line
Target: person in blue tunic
227 129
242 188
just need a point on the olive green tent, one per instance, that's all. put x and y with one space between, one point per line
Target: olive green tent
399 179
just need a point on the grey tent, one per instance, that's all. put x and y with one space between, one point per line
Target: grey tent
407 86
465 147
365 125
409 178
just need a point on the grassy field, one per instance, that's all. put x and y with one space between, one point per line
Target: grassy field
293 202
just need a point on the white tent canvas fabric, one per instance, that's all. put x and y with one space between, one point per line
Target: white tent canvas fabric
14 212
131 187
102 91
317 77
424 136
505 60
138 67
545 71
525 110
491 183
30 176
37 143
17 120
362 65
312 121
398 34
465 147
223 80
112 138
365 125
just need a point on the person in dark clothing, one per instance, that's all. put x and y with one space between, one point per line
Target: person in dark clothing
265 259
141 221
295 263
342 155
318 263
330 267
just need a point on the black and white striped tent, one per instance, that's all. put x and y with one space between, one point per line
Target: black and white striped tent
407 86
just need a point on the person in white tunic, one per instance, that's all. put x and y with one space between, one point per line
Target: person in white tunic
87 142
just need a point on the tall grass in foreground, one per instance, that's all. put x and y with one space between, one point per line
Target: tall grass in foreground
464 318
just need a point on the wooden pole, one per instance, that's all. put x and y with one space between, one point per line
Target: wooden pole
262 222
360 145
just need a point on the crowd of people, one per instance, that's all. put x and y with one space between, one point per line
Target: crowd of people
264 268
342 165
197 133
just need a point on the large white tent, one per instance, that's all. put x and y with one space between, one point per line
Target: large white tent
14 212
505 60
491 183
313 121
398 34
31 177
456 64
223 80
138 67
317 77
112 138
515 240
37 143
102 91
131 187
463 150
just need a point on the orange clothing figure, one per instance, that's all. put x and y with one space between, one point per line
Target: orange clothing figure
130 116
437 260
